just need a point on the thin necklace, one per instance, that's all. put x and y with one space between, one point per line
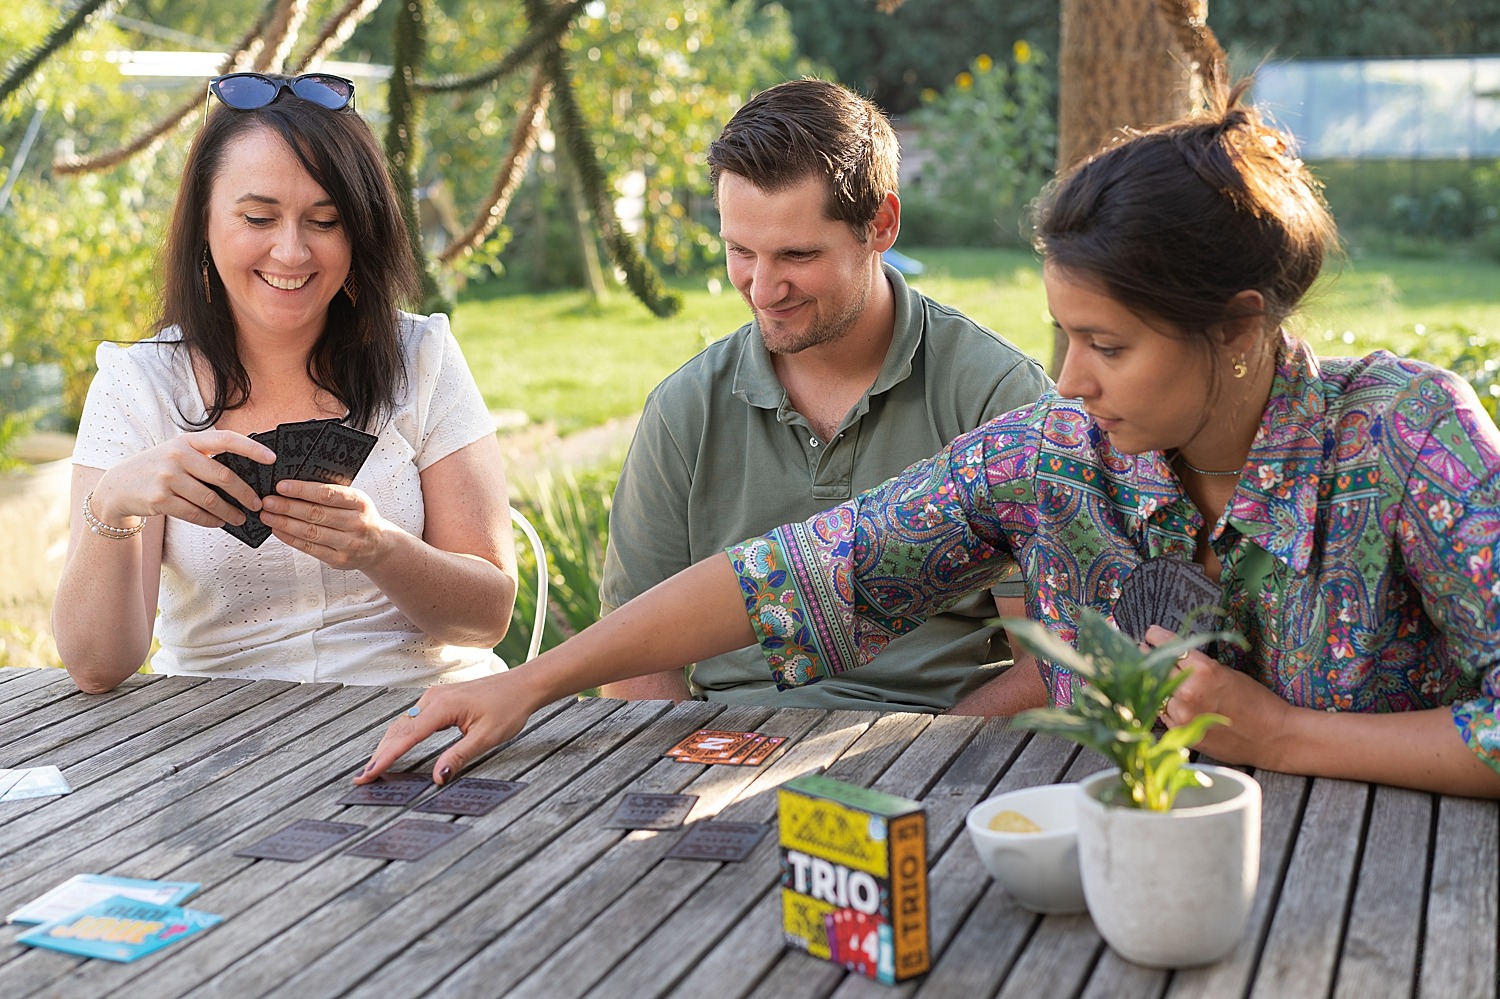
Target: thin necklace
1201 471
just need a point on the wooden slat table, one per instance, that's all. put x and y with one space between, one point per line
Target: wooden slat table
1365 891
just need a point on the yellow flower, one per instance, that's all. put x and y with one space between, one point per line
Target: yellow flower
964 81
928 94
984 63
1021 51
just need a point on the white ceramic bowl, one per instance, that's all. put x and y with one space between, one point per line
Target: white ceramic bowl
1038 869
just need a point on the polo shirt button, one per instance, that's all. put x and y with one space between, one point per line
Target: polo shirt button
813 441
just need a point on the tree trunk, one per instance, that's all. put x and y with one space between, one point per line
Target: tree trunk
409 49
1119 65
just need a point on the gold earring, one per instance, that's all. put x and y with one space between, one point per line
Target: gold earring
208 295
1239 366
351 288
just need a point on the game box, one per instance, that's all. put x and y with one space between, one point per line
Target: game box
854 877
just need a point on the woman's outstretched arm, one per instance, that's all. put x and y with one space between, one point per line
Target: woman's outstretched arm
693 615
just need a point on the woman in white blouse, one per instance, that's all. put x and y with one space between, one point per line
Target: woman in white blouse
285 264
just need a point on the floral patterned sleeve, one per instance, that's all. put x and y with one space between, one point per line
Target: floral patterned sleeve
1449 532
826 595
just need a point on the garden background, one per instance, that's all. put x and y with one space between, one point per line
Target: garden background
604 271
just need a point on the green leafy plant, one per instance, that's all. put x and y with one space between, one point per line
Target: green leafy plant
13 426
1114 711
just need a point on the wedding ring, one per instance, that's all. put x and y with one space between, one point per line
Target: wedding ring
413 711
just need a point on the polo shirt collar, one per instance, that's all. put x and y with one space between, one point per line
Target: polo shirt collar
755 381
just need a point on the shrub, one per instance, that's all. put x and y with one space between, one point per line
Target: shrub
1443 214
985 148
1415 208
1465 352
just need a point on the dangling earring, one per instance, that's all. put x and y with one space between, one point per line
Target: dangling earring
208 295
1239 366
351 288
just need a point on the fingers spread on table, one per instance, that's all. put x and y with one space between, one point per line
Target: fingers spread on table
454 759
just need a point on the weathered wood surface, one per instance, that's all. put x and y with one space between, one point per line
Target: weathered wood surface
1364 890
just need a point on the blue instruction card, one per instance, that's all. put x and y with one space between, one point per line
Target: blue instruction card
119 929
83 890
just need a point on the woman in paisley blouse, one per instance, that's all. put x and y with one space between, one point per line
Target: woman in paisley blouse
1348 509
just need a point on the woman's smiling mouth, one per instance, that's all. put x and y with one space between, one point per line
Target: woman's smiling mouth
284 283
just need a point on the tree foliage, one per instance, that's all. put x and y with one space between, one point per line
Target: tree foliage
77 250
656 79
646 90
891 57
918 45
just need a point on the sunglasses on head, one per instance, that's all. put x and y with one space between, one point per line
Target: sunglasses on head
248 91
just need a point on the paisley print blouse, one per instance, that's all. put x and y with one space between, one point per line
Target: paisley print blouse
1358 552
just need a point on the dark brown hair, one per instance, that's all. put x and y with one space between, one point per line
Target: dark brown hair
807 128
1177 220
358 357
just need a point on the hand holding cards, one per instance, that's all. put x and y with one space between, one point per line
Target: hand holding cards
312 451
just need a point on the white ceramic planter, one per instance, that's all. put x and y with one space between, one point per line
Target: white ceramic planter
1171 889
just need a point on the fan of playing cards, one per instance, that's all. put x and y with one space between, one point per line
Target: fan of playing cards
1166 591
313 450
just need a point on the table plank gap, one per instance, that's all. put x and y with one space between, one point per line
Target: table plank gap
173 774
195 825
1113 977
1385 922
147 754
877 758
59 727
1302 949
1462 895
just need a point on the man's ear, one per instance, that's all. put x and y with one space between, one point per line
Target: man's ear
886 224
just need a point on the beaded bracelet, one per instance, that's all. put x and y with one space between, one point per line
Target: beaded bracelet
104 530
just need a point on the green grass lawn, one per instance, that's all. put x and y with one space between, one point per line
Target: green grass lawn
560 358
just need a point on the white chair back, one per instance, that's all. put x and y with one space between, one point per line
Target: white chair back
540 552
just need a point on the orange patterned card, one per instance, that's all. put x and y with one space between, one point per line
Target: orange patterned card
716 746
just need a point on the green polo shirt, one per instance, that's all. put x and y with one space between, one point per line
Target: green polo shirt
720 455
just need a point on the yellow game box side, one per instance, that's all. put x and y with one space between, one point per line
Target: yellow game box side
909 913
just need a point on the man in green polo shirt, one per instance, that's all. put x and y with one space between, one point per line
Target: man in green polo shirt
843 378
